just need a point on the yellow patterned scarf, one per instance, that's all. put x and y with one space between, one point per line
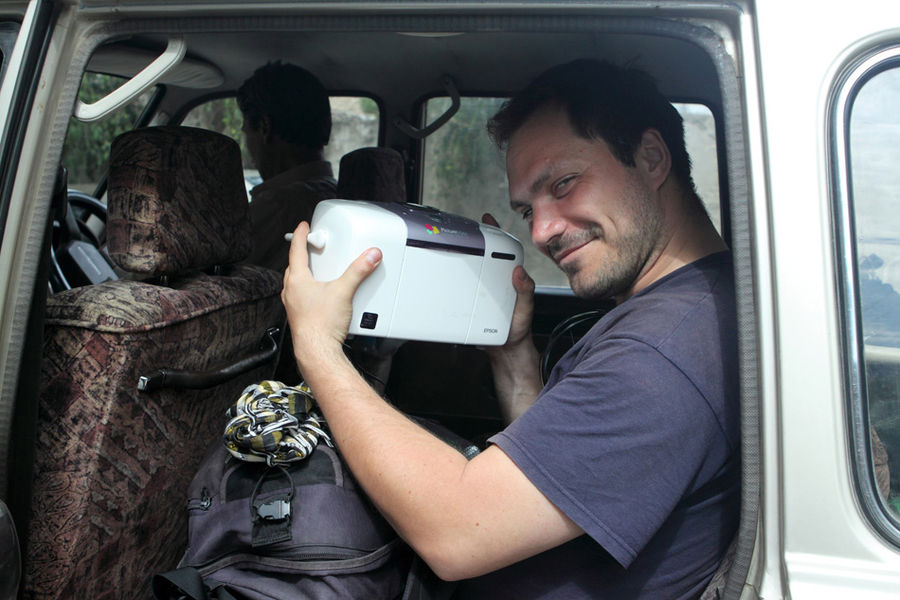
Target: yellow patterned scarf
274 423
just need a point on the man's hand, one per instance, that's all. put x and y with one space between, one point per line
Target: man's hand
520 329
319 312
516 363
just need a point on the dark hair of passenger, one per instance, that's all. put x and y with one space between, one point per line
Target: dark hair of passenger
293 99
602 101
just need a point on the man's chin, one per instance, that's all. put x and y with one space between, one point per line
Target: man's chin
583 291
590 290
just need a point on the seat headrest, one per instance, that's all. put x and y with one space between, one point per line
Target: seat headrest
374 174
176 201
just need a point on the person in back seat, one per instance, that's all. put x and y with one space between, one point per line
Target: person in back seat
287 123
620 478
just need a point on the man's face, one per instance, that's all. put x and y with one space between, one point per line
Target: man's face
597 219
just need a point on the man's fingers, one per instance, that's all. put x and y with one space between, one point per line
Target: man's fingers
488 219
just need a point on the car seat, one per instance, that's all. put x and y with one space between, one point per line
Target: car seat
112 462
374 174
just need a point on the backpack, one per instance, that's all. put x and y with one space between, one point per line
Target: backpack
300 529
261 532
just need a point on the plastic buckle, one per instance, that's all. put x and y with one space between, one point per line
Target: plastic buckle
275 509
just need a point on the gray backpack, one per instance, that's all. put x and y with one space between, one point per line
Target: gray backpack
304 530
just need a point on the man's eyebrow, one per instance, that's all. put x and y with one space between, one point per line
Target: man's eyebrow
539 182
515 205
533 189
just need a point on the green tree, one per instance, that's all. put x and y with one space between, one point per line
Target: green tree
86 149
224 116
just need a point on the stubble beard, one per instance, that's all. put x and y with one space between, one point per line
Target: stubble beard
626 256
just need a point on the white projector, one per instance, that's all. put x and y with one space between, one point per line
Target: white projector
443 277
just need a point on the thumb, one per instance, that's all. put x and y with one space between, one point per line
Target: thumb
359 270
524 286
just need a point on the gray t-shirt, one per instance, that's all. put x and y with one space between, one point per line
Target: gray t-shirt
635 438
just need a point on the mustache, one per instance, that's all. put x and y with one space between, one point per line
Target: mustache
560 244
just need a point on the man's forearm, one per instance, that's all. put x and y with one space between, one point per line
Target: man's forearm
410 475
516 377
446 507
403 468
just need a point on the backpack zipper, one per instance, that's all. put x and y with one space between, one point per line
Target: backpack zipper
201 503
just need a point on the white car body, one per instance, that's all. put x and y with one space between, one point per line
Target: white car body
814 534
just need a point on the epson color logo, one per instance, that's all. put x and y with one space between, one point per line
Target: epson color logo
489 330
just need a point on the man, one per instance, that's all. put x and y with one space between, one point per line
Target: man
618 479
287 123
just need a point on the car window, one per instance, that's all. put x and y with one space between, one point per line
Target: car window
464 173
86 149
354 124
871 272
9 30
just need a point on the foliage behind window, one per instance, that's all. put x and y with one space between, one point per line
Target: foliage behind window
86 149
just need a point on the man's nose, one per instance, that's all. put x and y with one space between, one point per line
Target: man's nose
546 224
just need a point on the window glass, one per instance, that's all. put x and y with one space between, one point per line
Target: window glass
464 173
9 30
86 149
874 151
700 141
354 124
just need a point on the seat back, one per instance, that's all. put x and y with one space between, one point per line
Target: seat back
374 174
113 463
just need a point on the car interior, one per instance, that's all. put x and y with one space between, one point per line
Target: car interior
142 279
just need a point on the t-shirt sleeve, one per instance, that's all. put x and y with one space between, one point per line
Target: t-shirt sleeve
615 443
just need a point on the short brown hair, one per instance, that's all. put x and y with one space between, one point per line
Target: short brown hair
602 101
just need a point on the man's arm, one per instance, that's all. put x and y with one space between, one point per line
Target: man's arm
515 365
465 518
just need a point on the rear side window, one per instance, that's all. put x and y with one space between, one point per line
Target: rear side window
86 149
9 30
867 152
464 173
354 124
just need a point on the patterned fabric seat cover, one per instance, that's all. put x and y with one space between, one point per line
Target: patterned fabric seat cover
112 463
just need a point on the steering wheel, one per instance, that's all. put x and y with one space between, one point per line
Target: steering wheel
77 251
82 206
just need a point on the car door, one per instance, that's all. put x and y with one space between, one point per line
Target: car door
830 416
24 37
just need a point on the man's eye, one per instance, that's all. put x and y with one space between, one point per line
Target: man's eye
526 213
560 187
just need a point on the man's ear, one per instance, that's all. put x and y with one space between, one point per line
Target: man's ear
653 157
265 128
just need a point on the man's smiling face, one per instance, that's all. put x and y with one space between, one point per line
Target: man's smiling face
593 216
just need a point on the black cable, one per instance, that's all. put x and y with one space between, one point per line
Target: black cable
564 327
366 373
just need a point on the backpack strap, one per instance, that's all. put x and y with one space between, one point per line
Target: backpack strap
423 584
187 584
